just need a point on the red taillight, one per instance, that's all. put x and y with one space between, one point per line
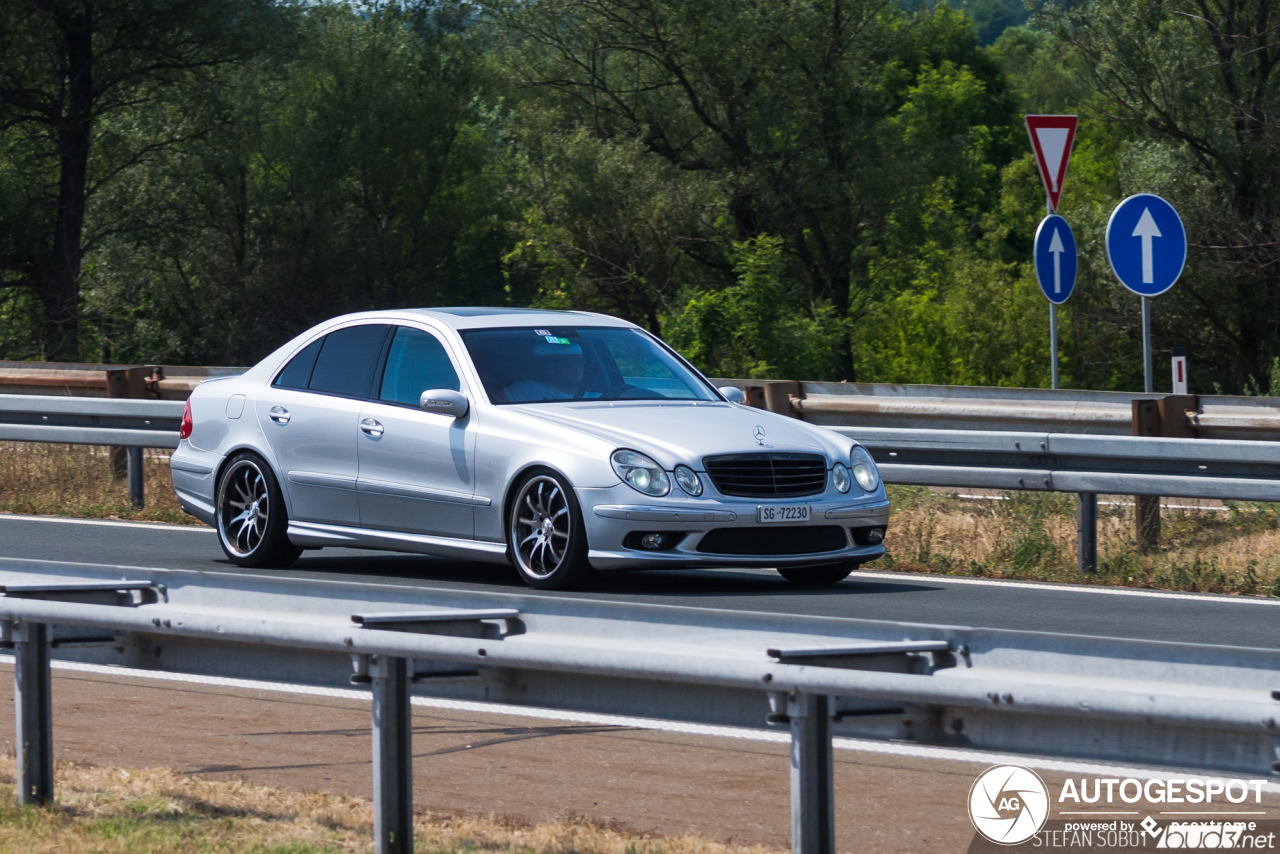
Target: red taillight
185 431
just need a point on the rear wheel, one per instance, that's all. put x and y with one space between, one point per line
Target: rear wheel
251 520
545 532
830 573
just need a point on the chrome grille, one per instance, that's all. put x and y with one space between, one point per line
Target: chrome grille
768 475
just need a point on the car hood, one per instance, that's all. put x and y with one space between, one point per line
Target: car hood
681 432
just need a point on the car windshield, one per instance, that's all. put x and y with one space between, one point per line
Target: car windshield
542 365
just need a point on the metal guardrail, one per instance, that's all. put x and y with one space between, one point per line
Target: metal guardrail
1180 705
154 382
1064 462
831 404
90 421
1127 465
129 425
936 407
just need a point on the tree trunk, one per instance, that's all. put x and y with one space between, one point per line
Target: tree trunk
59 283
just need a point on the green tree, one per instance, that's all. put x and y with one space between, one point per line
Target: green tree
820 123
1195 84
67 68
358 169
753 329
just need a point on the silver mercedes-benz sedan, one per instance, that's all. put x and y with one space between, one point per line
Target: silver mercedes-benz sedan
560 442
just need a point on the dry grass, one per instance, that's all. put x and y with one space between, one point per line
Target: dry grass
1032 535
111 810
76 480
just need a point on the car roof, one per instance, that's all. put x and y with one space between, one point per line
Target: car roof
480 317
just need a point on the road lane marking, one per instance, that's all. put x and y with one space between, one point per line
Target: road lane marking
112 523
1066 588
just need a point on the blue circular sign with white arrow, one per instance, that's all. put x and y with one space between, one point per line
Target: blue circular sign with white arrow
1146 244
1056 258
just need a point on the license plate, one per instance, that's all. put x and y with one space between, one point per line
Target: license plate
769 514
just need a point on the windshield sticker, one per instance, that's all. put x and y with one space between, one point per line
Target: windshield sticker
543 332
551 339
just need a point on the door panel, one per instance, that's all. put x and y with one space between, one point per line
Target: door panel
416 468
416 476
316 451
309 417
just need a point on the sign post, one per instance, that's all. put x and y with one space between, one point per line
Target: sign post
1056 260
1056 264
1147 248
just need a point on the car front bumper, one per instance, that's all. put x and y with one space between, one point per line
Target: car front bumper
614 513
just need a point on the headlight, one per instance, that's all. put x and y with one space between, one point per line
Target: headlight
864 469
840 477
640 473
689 480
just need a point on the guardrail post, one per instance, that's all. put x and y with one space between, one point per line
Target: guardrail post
1086 533
33 712
392 756
772 395
137 477
813 822
128 383
778 394
1146 508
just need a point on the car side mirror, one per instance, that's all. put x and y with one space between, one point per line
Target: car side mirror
443 401
733 394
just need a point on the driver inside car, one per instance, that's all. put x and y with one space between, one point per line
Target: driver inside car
560 369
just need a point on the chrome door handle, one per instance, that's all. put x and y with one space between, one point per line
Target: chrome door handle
279 414
373 428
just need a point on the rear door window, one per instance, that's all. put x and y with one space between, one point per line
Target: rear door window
348 359
297 373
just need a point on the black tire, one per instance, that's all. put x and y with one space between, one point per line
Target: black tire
546 539
813 576
250 518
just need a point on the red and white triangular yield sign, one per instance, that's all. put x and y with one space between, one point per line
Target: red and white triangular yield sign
1051 138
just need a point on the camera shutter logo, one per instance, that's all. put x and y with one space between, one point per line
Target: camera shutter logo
1008 804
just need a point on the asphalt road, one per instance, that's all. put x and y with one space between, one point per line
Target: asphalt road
1023 606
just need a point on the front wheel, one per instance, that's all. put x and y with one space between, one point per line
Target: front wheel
251 520
830 573
546 535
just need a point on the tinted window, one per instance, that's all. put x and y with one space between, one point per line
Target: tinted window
297 373
347 361
416 362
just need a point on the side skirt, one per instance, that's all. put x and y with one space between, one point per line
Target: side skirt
313 535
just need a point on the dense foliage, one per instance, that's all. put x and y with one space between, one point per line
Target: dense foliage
815 189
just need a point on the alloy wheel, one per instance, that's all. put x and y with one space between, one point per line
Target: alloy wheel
541 526
244 507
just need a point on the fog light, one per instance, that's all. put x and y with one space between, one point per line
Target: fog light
653 542
875 535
